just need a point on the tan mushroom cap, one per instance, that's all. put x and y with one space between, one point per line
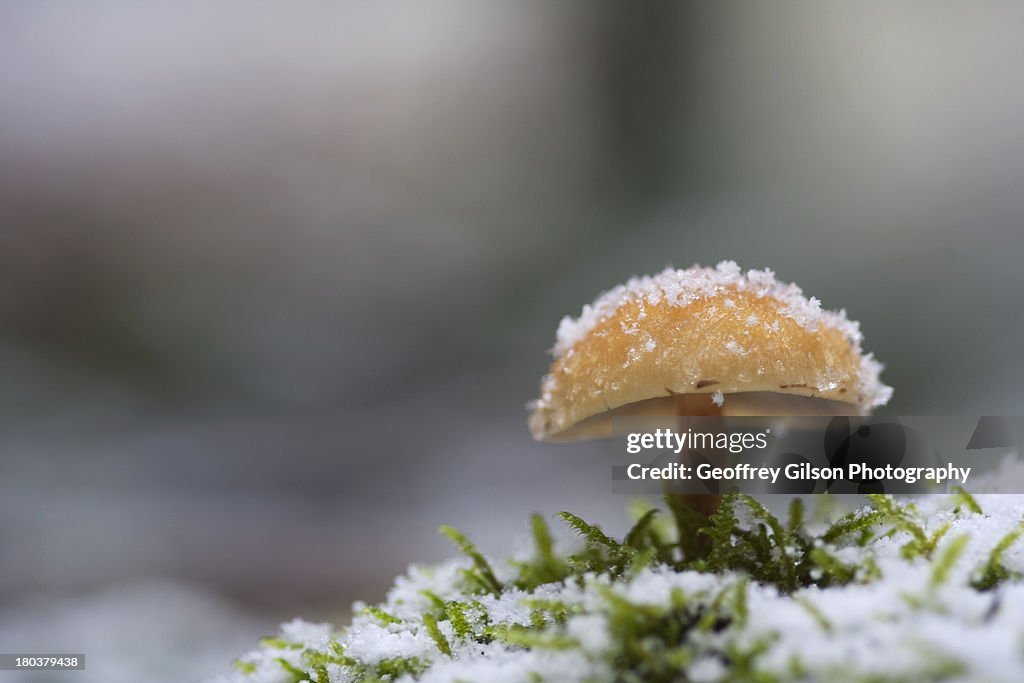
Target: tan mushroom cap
703 341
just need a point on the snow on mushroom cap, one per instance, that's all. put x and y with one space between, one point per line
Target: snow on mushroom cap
681 287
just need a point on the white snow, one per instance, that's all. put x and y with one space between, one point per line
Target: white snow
901 624
153 631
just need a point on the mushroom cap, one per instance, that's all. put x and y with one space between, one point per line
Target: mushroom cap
673 342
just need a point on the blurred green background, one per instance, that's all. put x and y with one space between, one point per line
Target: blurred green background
276 281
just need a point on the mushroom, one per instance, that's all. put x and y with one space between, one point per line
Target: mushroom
703 341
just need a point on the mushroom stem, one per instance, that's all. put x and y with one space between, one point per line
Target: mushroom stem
701 405
705 504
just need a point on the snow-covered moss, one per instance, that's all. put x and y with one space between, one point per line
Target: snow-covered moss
898 591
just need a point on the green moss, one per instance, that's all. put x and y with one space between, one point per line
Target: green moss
279 644
430 622
383 616
742 541
993 572
244 667
334 655
965 501
298 675
944 564
396 667
455 612
650 642
482 575
904 518
532 637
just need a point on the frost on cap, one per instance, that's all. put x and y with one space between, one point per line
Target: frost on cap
681 288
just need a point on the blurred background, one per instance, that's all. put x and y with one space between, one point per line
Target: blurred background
276 281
